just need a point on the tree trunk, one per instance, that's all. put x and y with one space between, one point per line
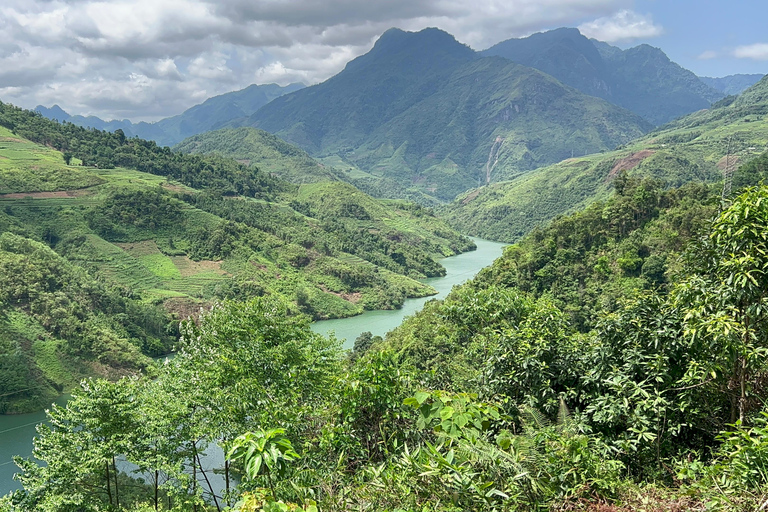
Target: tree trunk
109 481
157 478
117 492
194 475
208 482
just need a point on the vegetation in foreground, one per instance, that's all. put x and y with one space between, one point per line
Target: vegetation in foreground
494 399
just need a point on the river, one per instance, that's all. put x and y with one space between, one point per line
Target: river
17 431
458 269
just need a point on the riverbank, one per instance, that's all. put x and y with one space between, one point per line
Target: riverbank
459 269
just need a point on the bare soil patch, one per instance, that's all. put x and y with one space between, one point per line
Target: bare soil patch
354 298
630 162
471 196
188 267
137 249
184 308
175 188
733 161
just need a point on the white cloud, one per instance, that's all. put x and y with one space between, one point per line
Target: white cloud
758 51
146 59
624 25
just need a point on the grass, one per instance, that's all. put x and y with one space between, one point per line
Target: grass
29 167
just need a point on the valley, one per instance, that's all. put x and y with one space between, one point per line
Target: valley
530 277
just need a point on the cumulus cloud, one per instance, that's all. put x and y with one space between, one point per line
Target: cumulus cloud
758 51
146 59
624 25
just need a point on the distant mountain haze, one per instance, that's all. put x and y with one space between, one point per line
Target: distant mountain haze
641 79
732 84
209 115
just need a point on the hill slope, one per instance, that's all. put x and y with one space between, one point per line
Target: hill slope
641 79
425 110
94 259
692 148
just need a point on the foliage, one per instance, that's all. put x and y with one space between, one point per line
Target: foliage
108 150
265 452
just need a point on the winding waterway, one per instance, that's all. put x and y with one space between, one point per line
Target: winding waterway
458 269
17 431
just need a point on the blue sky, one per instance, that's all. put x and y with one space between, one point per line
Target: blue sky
711 38
149 59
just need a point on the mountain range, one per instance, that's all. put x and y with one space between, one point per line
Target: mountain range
209 115
641 79
427 110
425 117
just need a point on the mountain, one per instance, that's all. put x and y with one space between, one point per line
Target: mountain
732 84
641 79
209 115
215 112
697 147
427 111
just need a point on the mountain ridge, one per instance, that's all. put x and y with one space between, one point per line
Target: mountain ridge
208 115
697 147
642 79
389 115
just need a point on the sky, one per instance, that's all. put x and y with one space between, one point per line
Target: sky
144 60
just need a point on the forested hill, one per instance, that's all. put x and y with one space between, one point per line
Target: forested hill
260 149
115 238
697 147
425 110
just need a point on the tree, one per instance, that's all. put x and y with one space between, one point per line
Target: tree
264 452
728 292
79 449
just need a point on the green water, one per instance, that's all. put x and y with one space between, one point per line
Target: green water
458 269
17 431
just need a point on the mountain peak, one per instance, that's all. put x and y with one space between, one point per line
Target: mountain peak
428 47
55 112
395 40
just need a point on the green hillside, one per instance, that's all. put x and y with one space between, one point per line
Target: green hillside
261 150
264 151
497 398
164 247
424 110
696 147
